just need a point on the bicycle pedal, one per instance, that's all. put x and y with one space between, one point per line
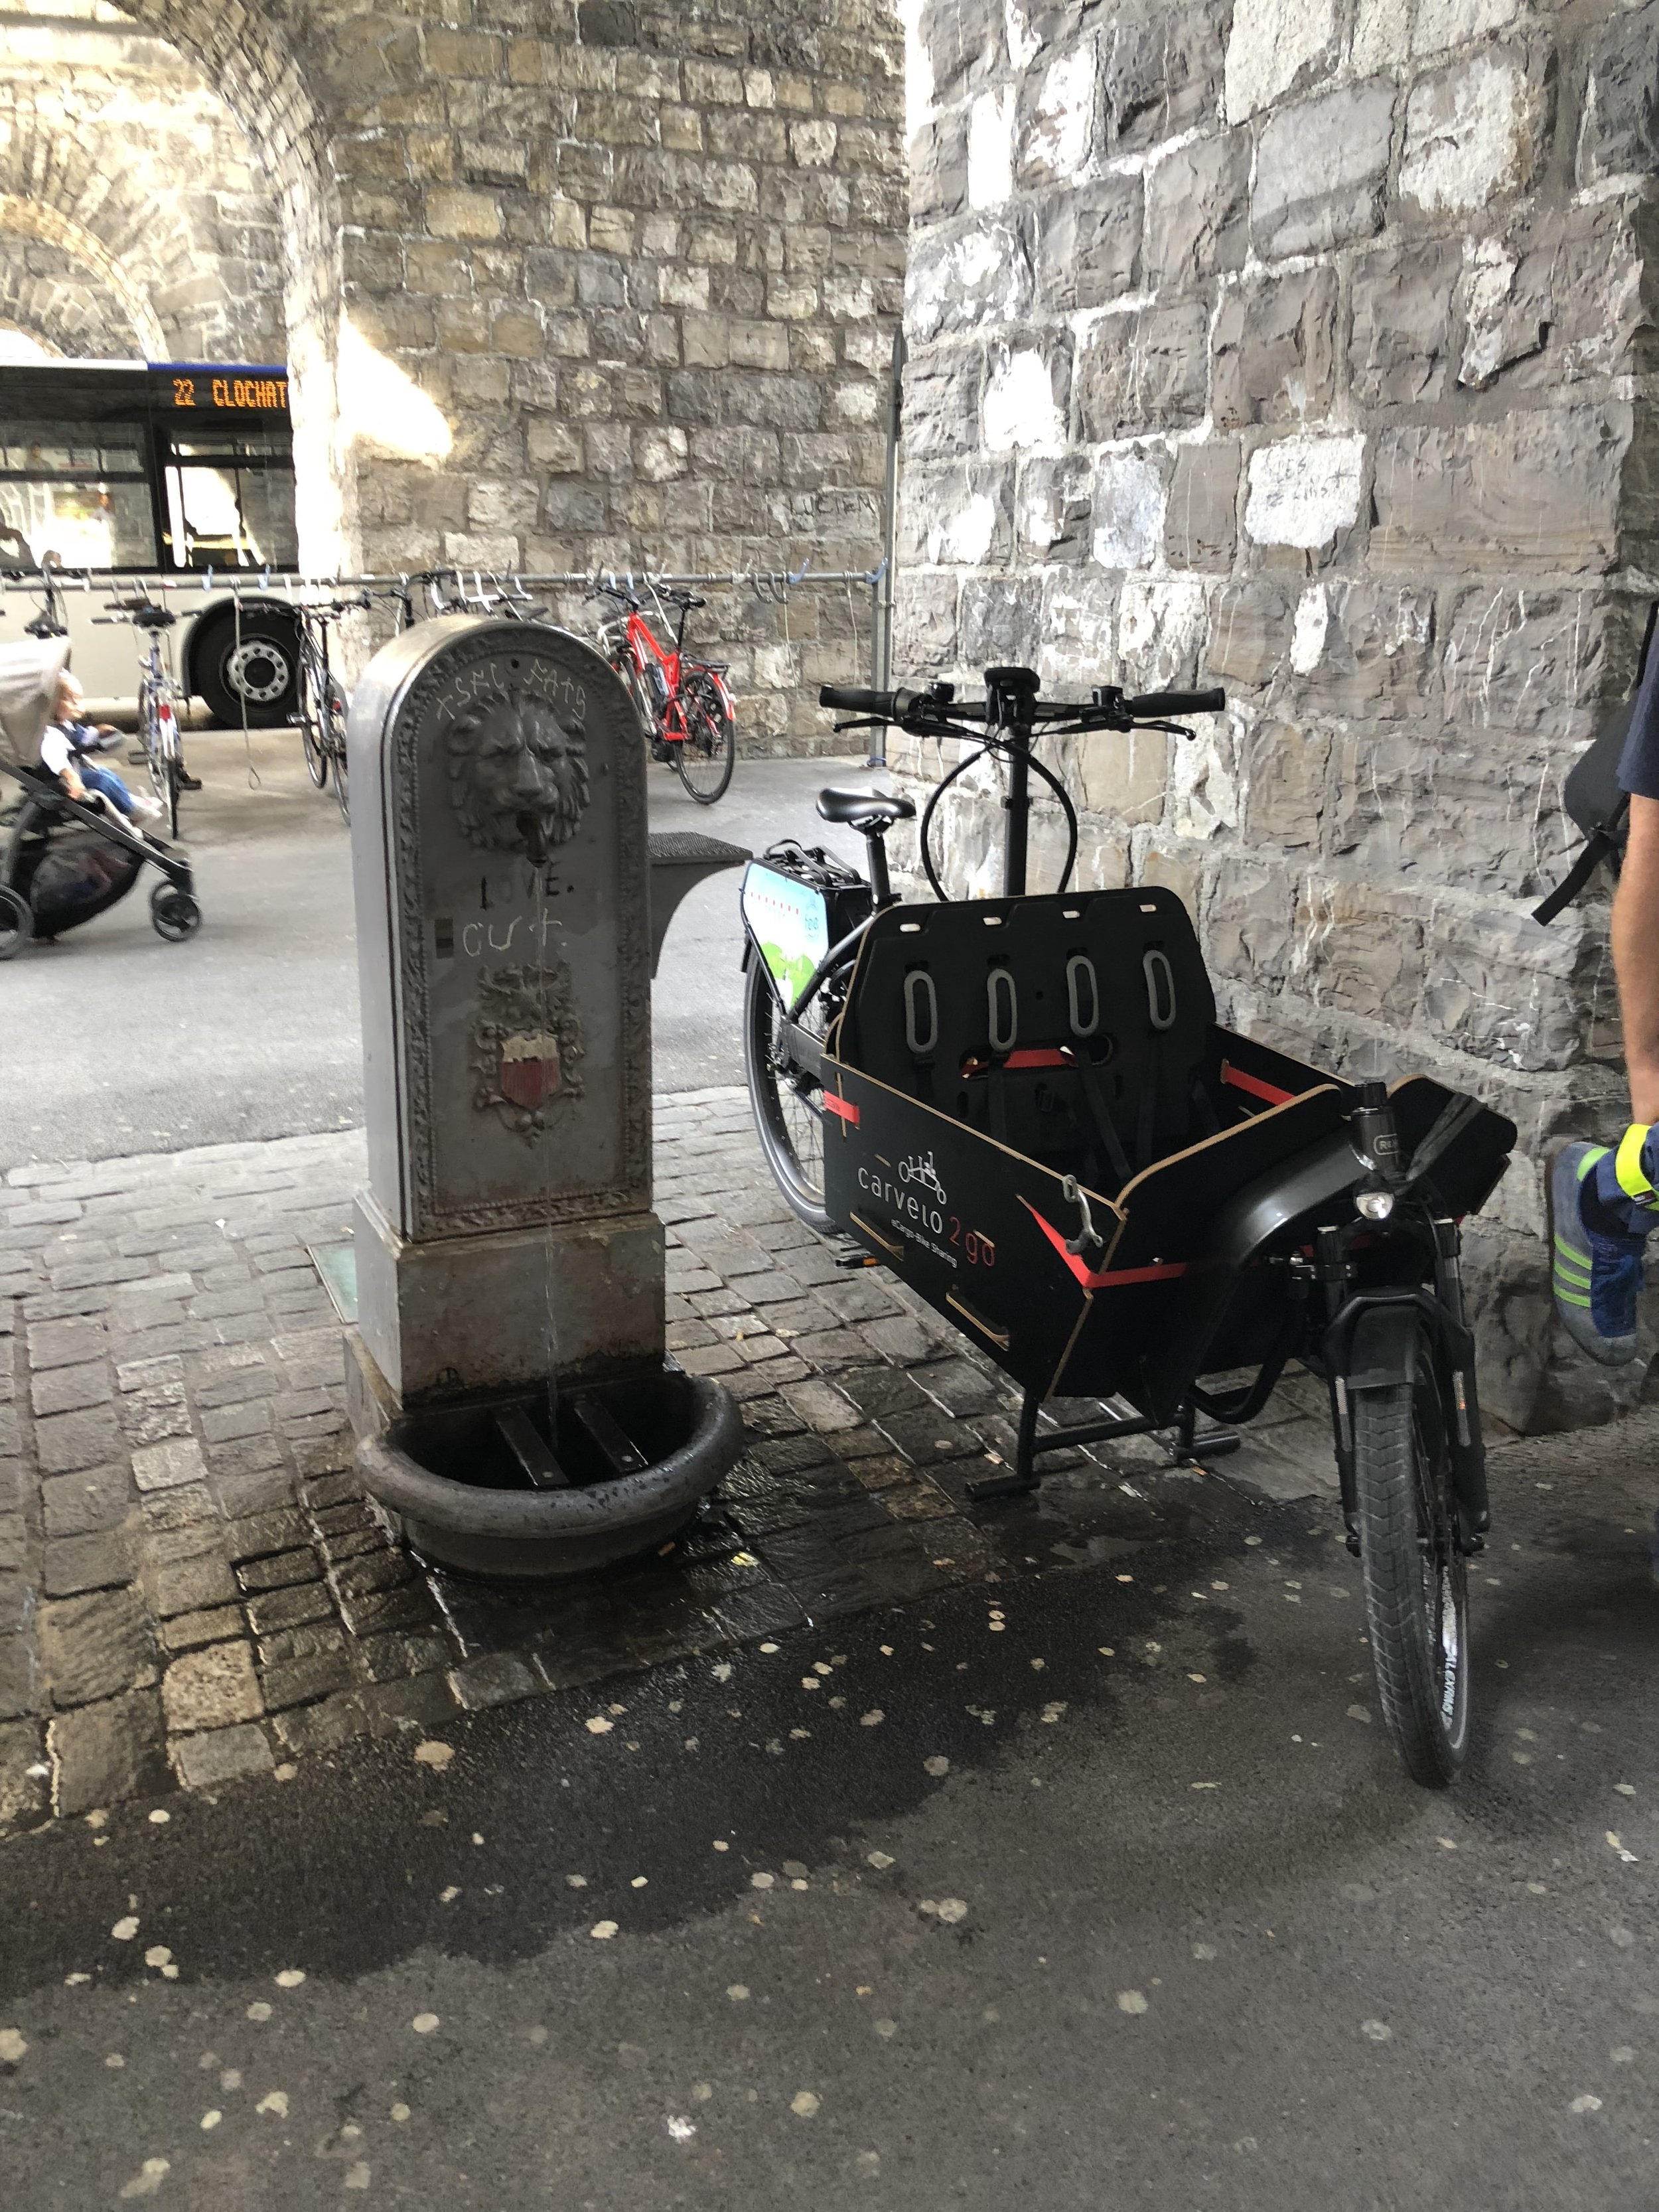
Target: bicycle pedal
849 1255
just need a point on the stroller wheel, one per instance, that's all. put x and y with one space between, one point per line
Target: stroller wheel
174 914
16 924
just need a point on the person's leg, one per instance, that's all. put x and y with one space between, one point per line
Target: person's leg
1604 1200
106 780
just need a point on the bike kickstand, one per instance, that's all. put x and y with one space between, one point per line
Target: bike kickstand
1190 1447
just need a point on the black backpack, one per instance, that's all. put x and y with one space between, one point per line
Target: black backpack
1593 798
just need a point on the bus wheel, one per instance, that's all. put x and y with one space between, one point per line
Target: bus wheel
259 667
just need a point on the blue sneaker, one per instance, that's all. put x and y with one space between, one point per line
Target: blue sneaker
1596 1278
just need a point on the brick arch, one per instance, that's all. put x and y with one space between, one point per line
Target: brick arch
247 54
72 291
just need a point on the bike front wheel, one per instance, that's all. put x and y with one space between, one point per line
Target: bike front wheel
707 754
788 1102
1416 1578
313 731
337 748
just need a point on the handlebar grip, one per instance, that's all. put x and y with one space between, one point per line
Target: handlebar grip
1177 703
854 699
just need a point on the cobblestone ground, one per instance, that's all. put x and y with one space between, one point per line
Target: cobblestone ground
193 1586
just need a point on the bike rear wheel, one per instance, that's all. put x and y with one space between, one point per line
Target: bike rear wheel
788 1105
1415 1575
707 754
160 757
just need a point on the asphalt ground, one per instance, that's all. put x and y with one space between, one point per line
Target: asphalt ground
1122 1901
115 1042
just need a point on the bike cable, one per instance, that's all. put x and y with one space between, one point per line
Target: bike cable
992 744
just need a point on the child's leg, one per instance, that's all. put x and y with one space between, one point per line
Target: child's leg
106 780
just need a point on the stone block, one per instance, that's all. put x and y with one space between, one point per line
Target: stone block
77 1504
186 1631
304 1681
20 1689
168 1465
1001 620
1285 768
1162 70
1198 212
1275 350
1273 46
966 283
64 1443
1304 491
106 1752
1506 652
1130 489
1475 132
279 1570
75 1563
1057 115
1200 518
70 1390
1539 492
211 1689
942 407
1321 171
64 1343
1357 948
1249 635
1146 371
94 1646
1054 509
290 1608
496 1678
1249 919
961 515
1078 621
1401 332
1619 132
223 1754
1088 244
24 1774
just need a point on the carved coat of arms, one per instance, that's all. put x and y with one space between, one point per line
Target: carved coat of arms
526 1046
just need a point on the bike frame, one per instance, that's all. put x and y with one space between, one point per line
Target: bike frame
641 645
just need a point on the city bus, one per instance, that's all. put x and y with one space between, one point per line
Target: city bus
126 469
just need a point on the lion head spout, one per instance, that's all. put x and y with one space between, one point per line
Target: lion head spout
518 777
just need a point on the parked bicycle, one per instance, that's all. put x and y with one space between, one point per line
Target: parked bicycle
322 698
158 710
1026 1107
684 705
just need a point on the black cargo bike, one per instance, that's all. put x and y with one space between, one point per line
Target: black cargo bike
1026 1107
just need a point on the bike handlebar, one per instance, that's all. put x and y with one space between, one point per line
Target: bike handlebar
1109 707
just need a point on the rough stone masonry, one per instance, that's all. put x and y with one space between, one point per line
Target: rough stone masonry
1303 346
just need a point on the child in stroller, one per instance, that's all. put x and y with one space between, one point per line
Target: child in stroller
65 749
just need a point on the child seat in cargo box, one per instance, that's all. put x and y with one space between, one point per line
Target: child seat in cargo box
1075 1028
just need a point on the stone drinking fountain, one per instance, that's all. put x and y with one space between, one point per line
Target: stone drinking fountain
514 1410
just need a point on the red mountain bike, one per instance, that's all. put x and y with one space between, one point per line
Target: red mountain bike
683 705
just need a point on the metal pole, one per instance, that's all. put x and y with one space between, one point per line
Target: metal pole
881 584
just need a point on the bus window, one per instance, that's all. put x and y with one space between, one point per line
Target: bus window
230 501
78 493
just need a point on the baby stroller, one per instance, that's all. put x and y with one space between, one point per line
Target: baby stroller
65 860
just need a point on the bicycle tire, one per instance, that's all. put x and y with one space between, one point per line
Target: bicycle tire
706 756
337 750
1416 1579
170 797
784 1120
314 740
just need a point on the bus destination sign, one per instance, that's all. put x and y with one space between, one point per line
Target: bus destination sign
260 392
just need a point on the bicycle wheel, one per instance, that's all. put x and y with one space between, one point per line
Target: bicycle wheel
313 730
1417 1596
337 748
707 754
787 1107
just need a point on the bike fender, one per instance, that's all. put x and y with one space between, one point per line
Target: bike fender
1380 1348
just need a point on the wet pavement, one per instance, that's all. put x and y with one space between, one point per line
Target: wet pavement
1084 1884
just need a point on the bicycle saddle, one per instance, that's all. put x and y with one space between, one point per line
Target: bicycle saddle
147 615
868 811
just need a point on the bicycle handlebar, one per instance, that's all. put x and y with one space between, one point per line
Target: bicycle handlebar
1107 709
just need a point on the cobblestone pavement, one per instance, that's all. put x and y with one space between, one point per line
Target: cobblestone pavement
192 1586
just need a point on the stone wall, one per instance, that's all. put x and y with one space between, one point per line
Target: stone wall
1303 346
581 282
131 223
